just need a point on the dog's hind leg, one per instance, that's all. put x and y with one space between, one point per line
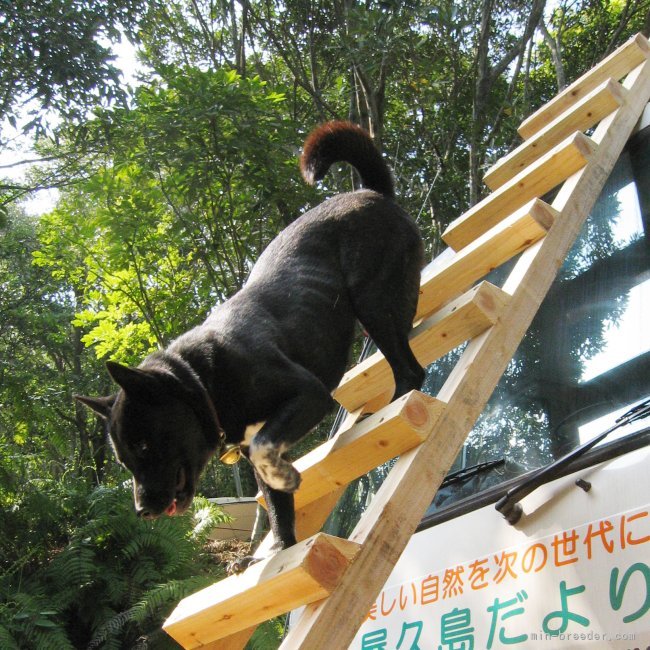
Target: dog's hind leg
391 338
385 304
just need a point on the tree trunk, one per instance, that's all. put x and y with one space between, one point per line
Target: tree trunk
555 47
486 76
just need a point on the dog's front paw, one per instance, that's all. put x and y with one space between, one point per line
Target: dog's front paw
284 477
276 472
241 564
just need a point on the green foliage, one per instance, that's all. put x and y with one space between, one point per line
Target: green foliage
53 52
102 583
194 185
268 635
41 357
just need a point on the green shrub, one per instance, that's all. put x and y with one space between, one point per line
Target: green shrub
82 571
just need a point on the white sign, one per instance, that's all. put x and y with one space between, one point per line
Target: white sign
574 573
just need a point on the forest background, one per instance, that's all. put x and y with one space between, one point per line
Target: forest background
168 192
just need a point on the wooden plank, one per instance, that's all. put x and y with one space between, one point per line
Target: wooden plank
398 427
398 507
457 322
542 176
310 520
616 66
235 641
302 574
499 244
600 102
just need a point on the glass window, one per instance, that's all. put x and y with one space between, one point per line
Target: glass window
584 361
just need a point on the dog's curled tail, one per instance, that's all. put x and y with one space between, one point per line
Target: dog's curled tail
341 141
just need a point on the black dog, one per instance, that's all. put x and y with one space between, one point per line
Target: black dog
272 354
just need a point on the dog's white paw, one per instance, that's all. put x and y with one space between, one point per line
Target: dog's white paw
241 564
276 472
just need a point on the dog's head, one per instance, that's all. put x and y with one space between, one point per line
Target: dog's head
158 434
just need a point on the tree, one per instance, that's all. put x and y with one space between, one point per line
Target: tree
43 364
198 169
493 58
52 52
168 199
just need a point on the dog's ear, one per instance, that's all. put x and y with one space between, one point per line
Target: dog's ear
101 405
133 381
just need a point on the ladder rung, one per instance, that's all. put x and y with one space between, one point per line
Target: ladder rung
302 574
600 102
616 66
502 242
398 427
542 176
457 322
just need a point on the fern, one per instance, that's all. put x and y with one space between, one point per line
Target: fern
163 543
76 565
109 581
113 627
36 626
206 517
44 637
162 596
105 502
116 587
7 640
143 573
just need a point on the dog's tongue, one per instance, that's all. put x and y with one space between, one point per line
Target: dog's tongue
171 510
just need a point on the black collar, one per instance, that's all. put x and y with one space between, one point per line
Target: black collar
193 387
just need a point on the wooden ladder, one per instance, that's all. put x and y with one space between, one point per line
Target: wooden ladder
338 579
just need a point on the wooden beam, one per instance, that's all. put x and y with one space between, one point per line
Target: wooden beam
600 102
457 322
616 66
235 641
398 427
310 520
398 507
502 242
302 574
542 176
